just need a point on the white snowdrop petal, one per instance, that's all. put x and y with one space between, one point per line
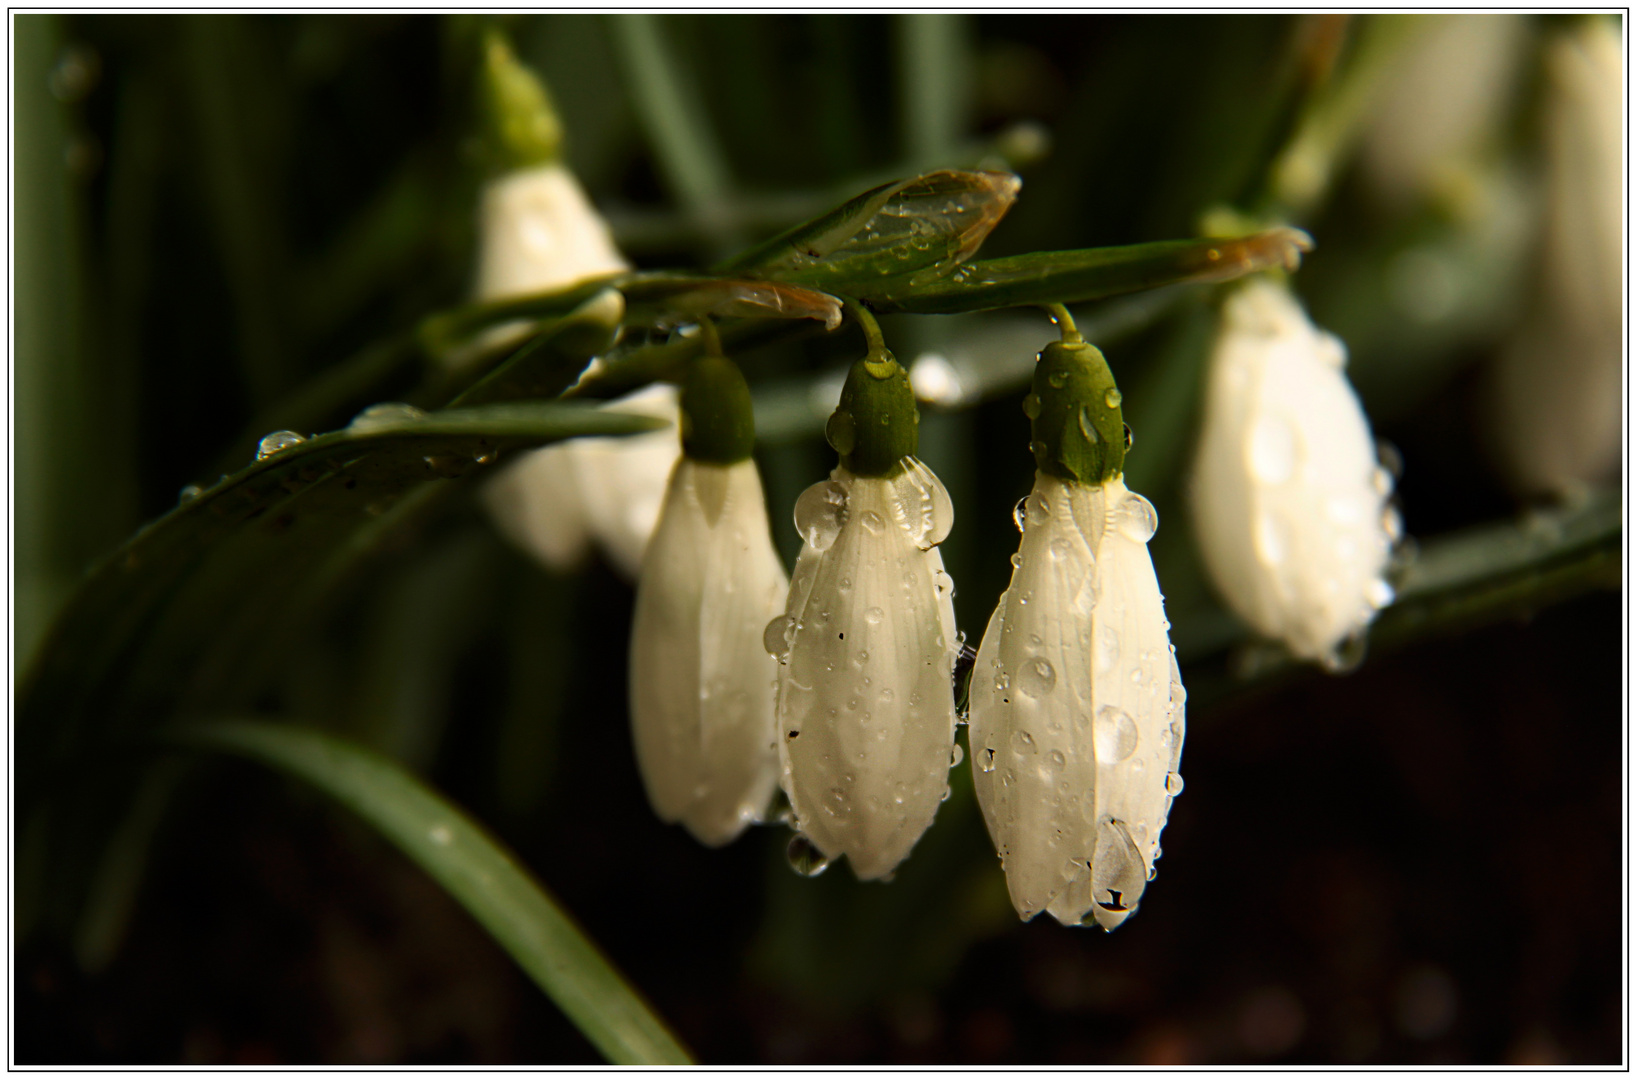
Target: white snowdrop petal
702 685
866 713
540 232
609 489
1076 708
1287 497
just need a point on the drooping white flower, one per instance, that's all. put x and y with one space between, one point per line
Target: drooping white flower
1559 379
701 682
1077 707
539 232
1289 503
554 501
866 712
1076 700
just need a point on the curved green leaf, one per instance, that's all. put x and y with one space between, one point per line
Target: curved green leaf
1071 277
183 614
476 869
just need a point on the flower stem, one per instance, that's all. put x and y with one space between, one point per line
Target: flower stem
1065 322
875 343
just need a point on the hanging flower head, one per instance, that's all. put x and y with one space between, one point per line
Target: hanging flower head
701 682
1290 505
866 716
1076 700
538 232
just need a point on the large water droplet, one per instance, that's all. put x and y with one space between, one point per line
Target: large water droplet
1037 677
387 414
1118 875
1378 594
874 615
840 432
1129 437
956 756
277 442
1031 406
1017 560
1135 518
804 858
1113 735
1020 514
1270 454
1112 398
821 510
1088 426
779 636
1173 784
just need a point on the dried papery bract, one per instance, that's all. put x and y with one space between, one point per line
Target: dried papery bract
1289 502
866 717
1076 700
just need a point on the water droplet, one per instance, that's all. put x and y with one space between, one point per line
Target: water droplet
1112 398
1088 426
1173 784
1023 742
872 522
1031 406
1002 681
1378 594
277 442
1017 560
1061 549
840 432
804 858
1058 379
874 615
779 636
956 756
1268 535
1118 874
1129 437
1037 508
1135 518
1270 454
820 512
1113 735
440 835
986 760
1392 524
1108 649
1381 481
189 493
1056 759
1037 677
1020 514
387 414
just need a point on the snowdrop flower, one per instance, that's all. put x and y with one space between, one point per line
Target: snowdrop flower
1076 700
553 502
1560 378
866 712
701 682
538 232
1289 503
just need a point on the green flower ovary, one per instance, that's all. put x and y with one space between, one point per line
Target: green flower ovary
1074 408
876 425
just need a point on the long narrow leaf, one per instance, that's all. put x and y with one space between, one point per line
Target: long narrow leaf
476 869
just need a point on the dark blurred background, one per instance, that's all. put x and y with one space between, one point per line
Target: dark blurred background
1418 862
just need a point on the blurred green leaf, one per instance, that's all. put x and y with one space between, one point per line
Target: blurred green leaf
476 869
179 615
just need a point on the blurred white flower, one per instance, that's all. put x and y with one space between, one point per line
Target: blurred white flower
539 232
1077 707
553 501
1559 380
1289 503
866 712
702 685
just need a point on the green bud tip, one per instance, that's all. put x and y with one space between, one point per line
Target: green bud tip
1074 409
876 425
717 423
520 126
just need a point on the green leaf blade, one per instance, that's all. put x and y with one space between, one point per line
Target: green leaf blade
476 869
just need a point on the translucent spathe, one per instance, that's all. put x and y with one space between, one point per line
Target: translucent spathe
1077 707
702 685
866 712
554 501
1289 503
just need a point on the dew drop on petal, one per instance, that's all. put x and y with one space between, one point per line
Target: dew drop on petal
777 638
1088 426
1113 735
1036 677
986 761
1378 594
1056 759
1023 742
872 522
1173 784
874 615
804 858
1270 454
956 756
1017 559
820 512
1020 514
1135 518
